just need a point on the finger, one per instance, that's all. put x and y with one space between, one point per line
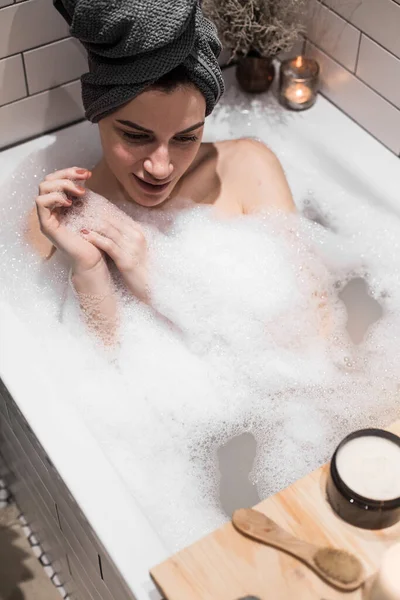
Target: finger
61 185
61 237
46 204
102 243
126 227
70 173
72 244
128 239
106 229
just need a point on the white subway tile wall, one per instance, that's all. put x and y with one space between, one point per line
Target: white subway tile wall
379 69
359 101
333 34
40 66
29 24
41 112
357 42
64 61
13 86
379 19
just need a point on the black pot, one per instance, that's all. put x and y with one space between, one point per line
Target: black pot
255 74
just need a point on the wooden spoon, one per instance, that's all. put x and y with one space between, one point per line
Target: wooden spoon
337 567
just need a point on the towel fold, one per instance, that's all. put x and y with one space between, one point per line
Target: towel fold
133 43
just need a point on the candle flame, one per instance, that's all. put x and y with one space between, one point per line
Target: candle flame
299 61
299 92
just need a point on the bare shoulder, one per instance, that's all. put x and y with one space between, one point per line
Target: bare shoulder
253 171
35 238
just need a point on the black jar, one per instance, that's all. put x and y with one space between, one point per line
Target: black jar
358 510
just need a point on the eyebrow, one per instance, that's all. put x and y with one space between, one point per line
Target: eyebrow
140 128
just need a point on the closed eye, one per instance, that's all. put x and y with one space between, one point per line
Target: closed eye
186 138
134 136
143 137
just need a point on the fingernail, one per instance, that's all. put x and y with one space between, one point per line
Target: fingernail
80 188
81 171
84 231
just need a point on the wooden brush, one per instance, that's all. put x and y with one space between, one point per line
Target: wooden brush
337 567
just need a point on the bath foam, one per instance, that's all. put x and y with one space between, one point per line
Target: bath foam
245 353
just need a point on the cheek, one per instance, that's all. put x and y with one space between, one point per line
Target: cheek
185 157
122 155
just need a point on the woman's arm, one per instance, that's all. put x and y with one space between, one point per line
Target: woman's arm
254 174
97 298
90 278
260 178
35 238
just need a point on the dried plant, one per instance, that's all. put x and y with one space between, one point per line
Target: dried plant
261 27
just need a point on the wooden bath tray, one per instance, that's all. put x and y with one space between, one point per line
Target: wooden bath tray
227 566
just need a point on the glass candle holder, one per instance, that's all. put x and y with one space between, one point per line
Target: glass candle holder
298 85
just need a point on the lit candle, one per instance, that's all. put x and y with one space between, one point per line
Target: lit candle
299 82
298 93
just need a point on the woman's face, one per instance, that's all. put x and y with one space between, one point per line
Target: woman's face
149 143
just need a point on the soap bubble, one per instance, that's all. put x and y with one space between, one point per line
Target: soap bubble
240 348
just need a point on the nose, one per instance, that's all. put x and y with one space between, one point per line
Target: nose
158 164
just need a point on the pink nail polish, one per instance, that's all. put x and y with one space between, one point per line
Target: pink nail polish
84 231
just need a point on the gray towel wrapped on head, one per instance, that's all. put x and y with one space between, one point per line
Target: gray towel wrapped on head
133 43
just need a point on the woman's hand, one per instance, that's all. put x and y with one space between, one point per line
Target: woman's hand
54 198
124 242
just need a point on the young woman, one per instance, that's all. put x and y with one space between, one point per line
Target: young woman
153 156
151 137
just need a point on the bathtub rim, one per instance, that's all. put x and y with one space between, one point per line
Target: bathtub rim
118 534
367 155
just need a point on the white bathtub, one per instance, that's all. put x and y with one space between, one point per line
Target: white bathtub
47 443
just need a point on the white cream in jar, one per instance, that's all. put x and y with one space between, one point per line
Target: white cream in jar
370 466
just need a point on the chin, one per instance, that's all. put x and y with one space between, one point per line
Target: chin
149 201
143 198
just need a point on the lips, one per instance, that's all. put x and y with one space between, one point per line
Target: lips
151 187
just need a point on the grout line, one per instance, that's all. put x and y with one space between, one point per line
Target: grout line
68 564
8 6
358 28
358 54
54 87
58 516
41 134
100 567
323 2
380 45
355 75
25 75
36 47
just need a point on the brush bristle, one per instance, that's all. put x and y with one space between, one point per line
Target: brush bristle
338 564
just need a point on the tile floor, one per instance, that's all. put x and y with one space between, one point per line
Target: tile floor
22 576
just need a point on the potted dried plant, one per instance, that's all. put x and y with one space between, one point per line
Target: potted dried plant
255 31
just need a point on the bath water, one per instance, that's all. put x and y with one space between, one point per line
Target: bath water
243 395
